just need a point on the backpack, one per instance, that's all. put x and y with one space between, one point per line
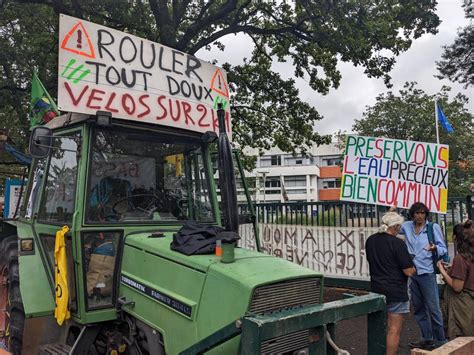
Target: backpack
434 254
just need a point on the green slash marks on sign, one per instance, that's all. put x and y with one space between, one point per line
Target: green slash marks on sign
220 100
79 69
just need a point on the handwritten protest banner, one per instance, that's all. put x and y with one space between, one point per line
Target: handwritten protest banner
136 79
391 172
334 251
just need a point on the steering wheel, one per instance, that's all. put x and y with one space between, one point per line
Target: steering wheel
179 201
151 206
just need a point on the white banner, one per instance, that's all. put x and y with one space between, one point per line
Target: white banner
333 251
136 79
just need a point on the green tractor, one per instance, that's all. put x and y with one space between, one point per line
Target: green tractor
124 189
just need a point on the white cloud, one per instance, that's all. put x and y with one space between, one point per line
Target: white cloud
343 105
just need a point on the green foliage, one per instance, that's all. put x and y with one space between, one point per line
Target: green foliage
28 36
410 115
457 62
266 109
27 39
300 214
270 106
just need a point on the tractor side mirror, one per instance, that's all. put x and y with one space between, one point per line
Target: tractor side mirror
41 142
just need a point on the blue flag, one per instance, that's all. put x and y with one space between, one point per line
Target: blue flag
443 120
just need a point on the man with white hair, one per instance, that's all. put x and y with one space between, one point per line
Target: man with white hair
390 266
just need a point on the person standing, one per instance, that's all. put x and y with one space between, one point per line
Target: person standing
390 266
458 295
423 287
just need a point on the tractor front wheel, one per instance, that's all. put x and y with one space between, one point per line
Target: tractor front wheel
12 317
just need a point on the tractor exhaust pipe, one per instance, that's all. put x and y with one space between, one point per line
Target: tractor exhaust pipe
228 191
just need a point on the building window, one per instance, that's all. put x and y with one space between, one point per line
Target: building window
290 160
293 181
272 182
272 192
297 191
333 161
276 160
265 162
240 185
332 184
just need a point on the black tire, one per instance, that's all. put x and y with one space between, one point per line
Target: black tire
15 311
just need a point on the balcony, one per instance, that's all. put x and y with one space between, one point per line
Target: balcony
329 194
330 172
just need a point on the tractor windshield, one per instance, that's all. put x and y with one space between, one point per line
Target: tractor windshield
140 176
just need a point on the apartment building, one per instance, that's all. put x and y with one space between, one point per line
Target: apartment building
280 176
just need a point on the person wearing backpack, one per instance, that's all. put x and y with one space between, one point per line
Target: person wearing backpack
426 244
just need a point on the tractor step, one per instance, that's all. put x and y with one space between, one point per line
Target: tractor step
54 349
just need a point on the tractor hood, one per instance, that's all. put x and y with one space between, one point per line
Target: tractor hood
196 295
244 267
160 246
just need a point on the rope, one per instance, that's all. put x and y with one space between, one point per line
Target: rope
338 350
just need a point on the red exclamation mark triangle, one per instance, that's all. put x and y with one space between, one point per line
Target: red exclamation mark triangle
218 83
74 41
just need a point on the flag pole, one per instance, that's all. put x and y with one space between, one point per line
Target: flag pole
436 119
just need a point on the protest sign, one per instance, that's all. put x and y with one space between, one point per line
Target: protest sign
138 171
136 79
12 197
391 172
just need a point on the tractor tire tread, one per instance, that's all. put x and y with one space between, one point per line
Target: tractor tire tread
9 256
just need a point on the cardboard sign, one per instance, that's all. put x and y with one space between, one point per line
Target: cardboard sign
101 69
391 172
138 171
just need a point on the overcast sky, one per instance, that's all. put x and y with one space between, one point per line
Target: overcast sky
343 105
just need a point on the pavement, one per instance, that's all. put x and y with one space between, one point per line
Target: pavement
351 334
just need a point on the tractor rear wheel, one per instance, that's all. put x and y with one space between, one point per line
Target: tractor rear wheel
11 304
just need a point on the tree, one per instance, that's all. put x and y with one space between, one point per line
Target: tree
457 62
28 36
266 109
26 39
410 116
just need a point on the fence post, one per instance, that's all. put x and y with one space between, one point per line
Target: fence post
250 338
318 341
376 333
470 205
331 328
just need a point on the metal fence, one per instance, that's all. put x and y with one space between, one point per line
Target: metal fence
344 214
328 237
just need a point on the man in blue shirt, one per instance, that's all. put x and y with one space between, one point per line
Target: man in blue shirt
423 286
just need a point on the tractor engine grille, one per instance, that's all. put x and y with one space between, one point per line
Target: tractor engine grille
286 295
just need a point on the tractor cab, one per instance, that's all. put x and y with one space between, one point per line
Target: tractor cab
132 175
107 180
